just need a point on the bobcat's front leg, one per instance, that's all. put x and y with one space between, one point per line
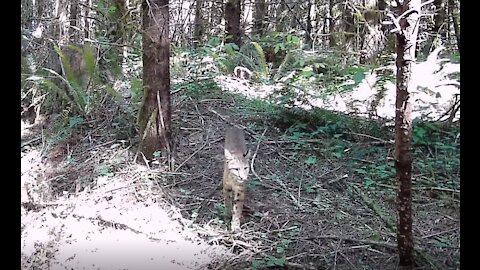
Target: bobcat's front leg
227 195
238 201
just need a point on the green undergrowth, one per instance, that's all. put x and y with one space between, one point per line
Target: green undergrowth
364 146
202 89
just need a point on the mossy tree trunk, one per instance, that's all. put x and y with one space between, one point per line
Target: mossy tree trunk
155 113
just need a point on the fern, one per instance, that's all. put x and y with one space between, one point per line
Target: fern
69 73
76 96
60 129
77 91
89 58
263 62
283 66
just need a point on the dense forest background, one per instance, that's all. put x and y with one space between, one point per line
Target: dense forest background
124 105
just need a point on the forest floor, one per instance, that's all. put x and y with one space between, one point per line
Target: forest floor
88 204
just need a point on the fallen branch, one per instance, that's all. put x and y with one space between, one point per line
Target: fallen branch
255 155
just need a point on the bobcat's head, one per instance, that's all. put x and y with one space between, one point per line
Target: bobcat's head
236 154
238 164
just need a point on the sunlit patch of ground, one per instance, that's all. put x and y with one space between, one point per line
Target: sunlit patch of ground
123 222
433 97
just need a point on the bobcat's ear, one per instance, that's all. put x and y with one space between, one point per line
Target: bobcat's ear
228 155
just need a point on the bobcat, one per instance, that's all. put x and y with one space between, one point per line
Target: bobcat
235 173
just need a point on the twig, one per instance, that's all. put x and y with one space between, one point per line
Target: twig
300 184
292 264
295 141
219 115
199 114
337 179
118 188
163 132
370 242
349 262
297 265
437 188
251 133
325 173
453 109
145 160
337 248
296 255
30 141
426 3
439 233
391 224
97 146
255 155
284 229
421 188
194 153
369 136
288 192
207 200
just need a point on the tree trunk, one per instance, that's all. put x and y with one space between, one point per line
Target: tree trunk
280 16
259 16
117 35
405 45
439 17
438 20
27 23
293 11
373 39
331 24
198 31
155 113
308 37
40 9
456 20
73 34
86 19
232 19
350 25
217 15
61 26
247 9
27 14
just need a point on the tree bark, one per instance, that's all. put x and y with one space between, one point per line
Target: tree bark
73 34
198 30
308 37
405 45
456 20
373 38
61 25
155 113
438 21
27 14
217 15
331 24
259 16
280 16
232 19
86 19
